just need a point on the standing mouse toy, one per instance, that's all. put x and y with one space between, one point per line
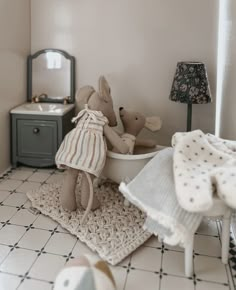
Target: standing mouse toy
84 148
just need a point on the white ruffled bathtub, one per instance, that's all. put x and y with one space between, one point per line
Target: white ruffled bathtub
122 167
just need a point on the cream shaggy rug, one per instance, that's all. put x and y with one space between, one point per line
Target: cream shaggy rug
113 230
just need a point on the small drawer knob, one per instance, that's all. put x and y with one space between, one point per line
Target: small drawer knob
36 130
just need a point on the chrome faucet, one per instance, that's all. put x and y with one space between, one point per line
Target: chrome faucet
43 96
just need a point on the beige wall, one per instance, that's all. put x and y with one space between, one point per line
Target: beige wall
14 47
136 45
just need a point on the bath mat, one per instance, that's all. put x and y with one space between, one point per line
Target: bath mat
113 230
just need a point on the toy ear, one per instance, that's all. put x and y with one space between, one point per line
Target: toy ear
153 123
83 95
104 89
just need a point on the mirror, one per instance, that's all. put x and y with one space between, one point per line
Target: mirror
51 76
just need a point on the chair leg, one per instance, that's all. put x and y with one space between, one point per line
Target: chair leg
188 257
225 235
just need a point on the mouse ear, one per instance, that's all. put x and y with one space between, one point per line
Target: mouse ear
82 96
104 89
153 123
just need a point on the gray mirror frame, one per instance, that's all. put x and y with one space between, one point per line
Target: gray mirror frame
30 59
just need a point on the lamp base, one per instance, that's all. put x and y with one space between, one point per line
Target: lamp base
189 117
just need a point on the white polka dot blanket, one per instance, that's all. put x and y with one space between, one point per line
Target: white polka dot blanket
178 184
203 165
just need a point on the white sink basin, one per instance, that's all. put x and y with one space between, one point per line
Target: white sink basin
42 109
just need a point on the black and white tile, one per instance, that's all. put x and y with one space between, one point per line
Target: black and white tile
33 247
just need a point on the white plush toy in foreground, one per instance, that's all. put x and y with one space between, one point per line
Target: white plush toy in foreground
85 273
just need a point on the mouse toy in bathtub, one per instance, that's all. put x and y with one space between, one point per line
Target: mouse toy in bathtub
133 123
84 148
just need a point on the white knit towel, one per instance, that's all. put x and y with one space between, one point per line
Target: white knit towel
153 191
204 165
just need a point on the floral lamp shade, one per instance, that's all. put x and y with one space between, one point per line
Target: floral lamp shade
190 84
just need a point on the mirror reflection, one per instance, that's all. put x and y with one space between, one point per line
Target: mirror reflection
51 76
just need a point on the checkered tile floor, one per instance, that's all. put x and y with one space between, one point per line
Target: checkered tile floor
33 248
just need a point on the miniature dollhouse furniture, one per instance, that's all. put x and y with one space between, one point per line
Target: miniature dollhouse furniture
164 212
219 209
39 126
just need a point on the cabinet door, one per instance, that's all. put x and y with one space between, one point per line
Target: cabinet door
37 138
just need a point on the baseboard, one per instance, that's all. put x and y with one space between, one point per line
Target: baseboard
5 172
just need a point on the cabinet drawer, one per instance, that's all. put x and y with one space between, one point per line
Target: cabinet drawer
36 138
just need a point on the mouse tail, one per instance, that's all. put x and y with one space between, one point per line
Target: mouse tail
91 194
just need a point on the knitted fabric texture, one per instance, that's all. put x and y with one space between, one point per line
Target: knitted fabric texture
113 230
153 191
204 165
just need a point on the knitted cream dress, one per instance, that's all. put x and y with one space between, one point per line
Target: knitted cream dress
84 147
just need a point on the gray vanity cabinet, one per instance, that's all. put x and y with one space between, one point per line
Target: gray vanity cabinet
39 125
36 138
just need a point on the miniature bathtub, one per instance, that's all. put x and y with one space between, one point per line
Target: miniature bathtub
124 167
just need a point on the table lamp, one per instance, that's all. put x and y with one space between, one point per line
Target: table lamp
190 86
